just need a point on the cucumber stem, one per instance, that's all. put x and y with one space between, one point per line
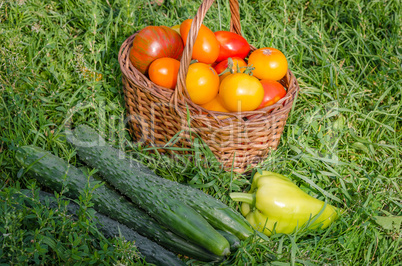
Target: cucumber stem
243 197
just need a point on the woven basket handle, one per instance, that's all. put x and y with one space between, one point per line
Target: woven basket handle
180 92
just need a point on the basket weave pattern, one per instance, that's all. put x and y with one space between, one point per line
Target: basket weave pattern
156 114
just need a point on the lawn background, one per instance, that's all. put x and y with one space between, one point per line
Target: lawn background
342 141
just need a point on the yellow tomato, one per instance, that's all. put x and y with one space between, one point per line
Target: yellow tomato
202 83
241 92
176 28
268 63
215 105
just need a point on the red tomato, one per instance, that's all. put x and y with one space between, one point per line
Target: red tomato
206 46
241 92
163 71
231 45
155 42
237 63
273 92
202 83
215 105
269 63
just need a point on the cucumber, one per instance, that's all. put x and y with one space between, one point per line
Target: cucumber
233 240
148 194
149 250
93 150
53 172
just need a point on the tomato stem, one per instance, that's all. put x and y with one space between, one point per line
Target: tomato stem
249 70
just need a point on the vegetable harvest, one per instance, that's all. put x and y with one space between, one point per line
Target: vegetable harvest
156 51
275 204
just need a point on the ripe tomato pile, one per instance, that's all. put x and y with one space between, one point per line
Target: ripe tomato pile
225 77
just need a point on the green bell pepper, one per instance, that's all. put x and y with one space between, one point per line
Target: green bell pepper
275 202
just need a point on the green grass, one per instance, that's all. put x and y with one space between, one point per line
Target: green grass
342 141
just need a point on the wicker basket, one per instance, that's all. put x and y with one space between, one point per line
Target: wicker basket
157 115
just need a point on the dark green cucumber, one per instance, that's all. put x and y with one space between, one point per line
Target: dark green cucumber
233 240
149 250
53 172
148 194
90 145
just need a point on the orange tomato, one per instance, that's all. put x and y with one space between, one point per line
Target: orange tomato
241 92
269 63
202 83
237 63
206 46
163 72
273 92
215 105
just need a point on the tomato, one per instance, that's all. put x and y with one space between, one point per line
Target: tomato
269 63
241 92
273 92
215 105
237 63
202 83
163 72
213 64
206 46
231 45
176 28
155 42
